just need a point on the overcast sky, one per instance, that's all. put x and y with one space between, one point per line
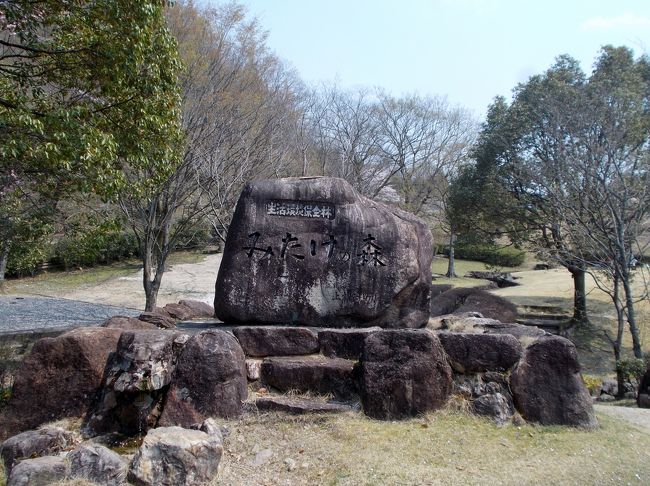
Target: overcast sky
467 50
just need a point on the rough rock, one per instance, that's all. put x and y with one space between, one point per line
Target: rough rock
502 279
276 341
496 406
461 299
173 456
253 369
310 374
474 322
344 343
209 380
488 394
136 380
97 464
472 353
41 471
609 387
34 443
643 400
64 372
313 251
179 312
298 406
200 310
158 319
128 324
403 373
547 387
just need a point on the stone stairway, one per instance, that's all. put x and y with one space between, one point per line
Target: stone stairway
552 319
302 370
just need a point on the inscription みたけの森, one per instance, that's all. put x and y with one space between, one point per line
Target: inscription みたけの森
315 252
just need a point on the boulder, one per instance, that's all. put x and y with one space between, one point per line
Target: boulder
41 471
262 341
158 319
502 279
403 373
497 406
299 406
488 394
344 343
173 456
313 251
547 387
34 443
461 299
128 324
200 310
136 380
60 378
472 353
97 464
209 380
474 322
179 312
310 374
253 369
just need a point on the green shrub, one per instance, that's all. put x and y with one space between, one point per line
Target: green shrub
631 369
95 243
29 251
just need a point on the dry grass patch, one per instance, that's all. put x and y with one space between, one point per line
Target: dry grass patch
442 448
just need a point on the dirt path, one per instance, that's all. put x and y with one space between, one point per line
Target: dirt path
182 281
639 417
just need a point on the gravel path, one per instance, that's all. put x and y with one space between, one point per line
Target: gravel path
28 313
639 417
183 281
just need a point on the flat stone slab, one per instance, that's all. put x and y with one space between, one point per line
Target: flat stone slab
25 313
344 343
310 374
299 406
475 353
262 341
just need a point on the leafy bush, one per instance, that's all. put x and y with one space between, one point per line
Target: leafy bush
593 384
95 243
28 252
631 369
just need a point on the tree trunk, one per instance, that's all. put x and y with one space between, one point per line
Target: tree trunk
4 258
579 295
150 292
631 317
451 271
617 344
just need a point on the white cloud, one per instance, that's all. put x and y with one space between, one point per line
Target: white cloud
628 20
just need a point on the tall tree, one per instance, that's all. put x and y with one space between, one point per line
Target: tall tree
88 100
573 153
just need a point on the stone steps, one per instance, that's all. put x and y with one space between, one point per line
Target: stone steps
299 406
310 374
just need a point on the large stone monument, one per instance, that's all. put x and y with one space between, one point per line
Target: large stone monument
313 251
